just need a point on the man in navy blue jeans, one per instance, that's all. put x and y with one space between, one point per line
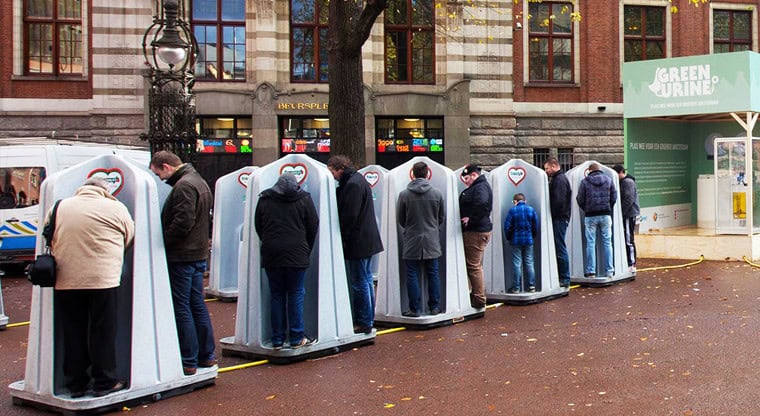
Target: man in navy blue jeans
361 239
560 200
185 219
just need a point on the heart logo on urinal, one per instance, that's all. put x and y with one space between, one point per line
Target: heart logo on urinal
114 177
372 178
243 178
516 175
429 173
296 169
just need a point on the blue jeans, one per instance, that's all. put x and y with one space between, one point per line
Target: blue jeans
602 223
362 291
286 288
522 256
196 336
413 284
563 259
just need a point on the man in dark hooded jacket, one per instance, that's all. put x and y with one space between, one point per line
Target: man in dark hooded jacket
286 222
361 238
420 214
596 197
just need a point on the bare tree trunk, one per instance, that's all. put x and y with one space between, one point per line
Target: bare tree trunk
349 28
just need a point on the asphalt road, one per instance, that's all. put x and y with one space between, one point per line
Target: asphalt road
672 342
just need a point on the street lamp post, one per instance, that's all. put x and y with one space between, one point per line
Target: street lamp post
170 48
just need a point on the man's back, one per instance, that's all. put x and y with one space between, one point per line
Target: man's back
186 216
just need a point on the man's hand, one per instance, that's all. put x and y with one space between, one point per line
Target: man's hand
465 220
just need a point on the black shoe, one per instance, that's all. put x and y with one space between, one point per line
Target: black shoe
411 314
514 290
589 274
120 385
435 311
565 284
77 394
362 330
305 342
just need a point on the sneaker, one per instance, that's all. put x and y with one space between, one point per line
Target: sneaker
78 394
411 314
435 311
589 274
565 283
514 290
632 269
305 342
531 289
119 385
277 346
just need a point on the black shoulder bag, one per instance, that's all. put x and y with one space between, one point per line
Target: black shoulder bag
42 272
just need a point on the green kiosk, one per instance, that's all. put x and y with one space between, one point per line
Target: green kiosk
689 138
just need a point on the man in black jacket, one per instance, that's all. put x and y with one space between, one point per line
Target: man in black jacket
286 222
475 204
185 219
361 238
560 196
629 205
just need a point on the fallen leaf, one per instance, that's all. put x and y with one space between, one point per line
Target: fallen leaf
406 399
531 340
389 405
271 397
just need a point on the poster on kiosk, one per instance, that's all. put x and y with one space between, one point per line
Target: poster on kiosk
377 178
326 306
576 238
513 177
392 296
229 204
147 347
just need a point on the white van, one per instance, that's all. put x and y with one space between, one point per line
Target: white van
23 168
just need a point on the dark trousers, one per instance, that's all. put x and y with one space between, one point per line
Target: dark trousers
629 225
88 321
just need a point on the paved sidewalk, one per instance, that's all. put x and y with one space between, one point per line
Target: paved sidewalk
673 342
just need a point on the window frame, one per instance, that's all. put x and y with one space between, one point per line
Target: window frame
550 35
316 27
643 38
410 29
55 22
220 24
731 41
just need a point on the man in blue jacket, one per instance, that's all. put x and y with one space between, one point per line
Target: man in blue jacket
596 197
361 238
521 228
475 205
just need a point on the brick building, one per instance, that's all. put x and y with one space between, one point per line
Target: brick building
457 81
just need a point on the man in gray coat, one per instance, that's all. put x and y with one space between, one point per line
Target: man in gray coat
420 214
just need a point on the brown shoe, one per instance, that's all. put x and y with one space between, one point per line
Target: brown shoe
207 363
119 385
189 371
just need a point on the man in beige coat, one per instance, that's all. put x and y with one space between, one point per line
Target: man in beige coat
92 230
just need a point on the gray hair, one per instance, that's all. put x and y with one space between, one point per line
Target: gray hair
98 181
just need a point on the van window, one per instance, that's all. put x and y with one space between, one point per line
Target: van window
20 186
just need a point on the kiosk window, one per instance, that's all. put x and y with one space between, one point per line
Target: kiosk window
399 139
20 186
304 135
224 134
